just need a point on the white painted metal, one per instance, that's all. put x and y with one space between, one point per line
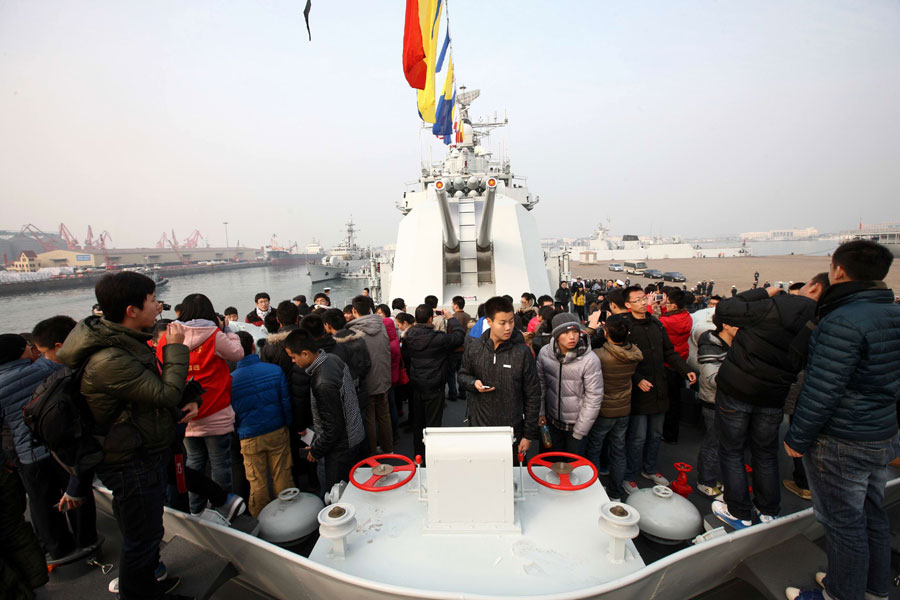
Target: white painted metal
289 517
665 515
470 479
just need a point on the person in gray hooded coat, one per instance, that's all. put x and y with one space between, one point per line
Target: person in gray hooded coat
571 383
377 415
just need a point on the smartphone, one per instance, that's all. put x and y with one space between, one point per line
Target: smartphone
659 297
486 387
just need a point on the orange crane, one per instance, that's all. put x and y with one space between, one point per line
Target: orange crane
163 241
71 242
89 243
174 244
46 242
102 239
191 240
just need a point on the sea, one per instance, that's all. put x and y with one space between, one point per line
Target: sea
813 247
226 288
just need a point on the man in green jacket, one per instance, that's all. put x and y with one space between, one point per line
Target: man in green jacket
135 406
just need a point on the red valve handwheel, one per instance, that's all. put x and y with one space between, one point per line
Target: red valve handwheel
680 485
564 483
372 461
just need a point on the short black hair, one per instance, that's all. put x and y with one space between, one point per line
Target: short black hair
54 330
497 304
718 298
797 285
821 279
361 305
321 295
384 308
335 318
117 291
12 345
348 310
230 311
299 298
508 297
479 312
717 321
863 260
287 312
423 313
459 301
547 313
544 298
177 309
299 340
405 318
431 301
271 322
676 297
160 327
616 296
314 325
197 306
398 304
260 295
617 328
626 293
247 342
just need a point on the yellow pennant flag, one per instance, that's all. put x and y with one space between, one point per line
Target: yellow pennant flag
429 22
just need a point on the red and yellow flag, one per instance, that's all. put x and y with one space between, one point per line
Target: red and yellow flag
420 52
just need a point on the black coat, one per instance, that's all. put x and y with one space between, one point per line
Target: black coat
516 401
426 351
563 295
273 352
352 353
758 369
650 336
338 424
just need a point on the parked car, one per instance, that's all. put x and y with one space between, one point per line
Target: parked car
653 274
616 267
673 276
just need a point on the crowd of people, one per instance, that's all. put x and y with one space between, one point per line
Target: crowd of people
210 413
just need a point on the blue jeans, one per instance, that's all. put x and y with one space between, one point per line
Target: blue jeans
738 423
708 471
847 480
139 492
613 429
215 450
644 433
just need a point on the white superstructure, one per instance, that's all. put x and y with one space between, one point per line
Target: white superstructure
467 229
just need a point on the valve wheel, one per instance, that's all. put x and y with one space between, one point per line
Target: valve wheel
562 470
381 470
683 467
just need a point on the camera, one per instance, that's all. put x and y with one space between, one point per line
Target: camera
166 306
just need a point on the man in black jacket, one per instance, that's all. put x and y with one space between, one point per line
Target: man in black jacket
335 408
752 384
287 314
500 369
426 352
563 296
650 398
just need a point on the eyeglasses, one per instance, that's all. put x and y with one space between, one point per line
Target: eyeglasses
642 299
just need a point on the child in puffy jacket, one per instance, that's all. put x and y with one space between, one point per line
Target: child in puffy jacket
261 402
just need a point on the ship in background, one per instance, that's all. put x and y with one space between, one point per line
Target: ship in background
280 255
468 229
886 234
347 257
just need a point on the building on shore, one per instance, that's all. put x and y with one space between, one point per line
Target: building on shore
27 262
131 257
781 234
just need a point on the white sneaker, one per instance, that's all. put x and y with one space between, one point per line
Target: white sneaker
630 486
720 509
764 518
656 478
234 506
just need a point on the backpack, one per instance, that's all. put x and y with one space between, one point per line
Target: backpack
59 418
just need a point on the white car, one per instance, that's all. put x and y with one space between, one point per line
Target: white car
616 267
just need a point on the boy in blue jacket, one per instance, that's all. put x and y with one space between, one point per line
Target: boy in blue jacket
262 413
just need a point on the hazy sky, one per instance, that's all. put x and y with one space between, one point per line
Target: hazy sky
666 117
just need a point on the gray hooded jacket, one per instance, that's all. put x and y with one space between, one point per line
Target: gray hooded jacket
378 381
571 387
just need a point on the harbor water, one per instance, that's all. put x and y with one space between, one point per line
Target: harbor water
226 288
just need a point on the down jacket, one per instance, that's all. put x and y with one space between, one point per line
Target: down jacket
649 335
619 363
758 369
516 400
851 386
131 401
273 352
426 352
678 324
18 380
571 387
260 398
378 381
335 409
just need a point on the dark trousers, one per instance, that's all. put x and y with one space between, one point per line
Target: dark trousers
738 423
799 470
45 482
454 361
428 411
22 566
139 493
337 466
196 482
564 441
674 385
301 469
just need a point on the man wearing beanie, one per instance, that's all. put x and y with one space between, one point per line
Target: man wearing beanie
571 384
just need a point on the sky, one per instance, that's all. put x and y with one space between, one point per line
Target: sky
667 118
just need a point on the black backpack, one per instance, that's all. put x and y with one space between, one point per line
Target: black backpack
59 418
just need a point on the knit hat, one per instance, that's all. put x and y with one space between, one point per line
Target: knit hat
12 345
564 322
